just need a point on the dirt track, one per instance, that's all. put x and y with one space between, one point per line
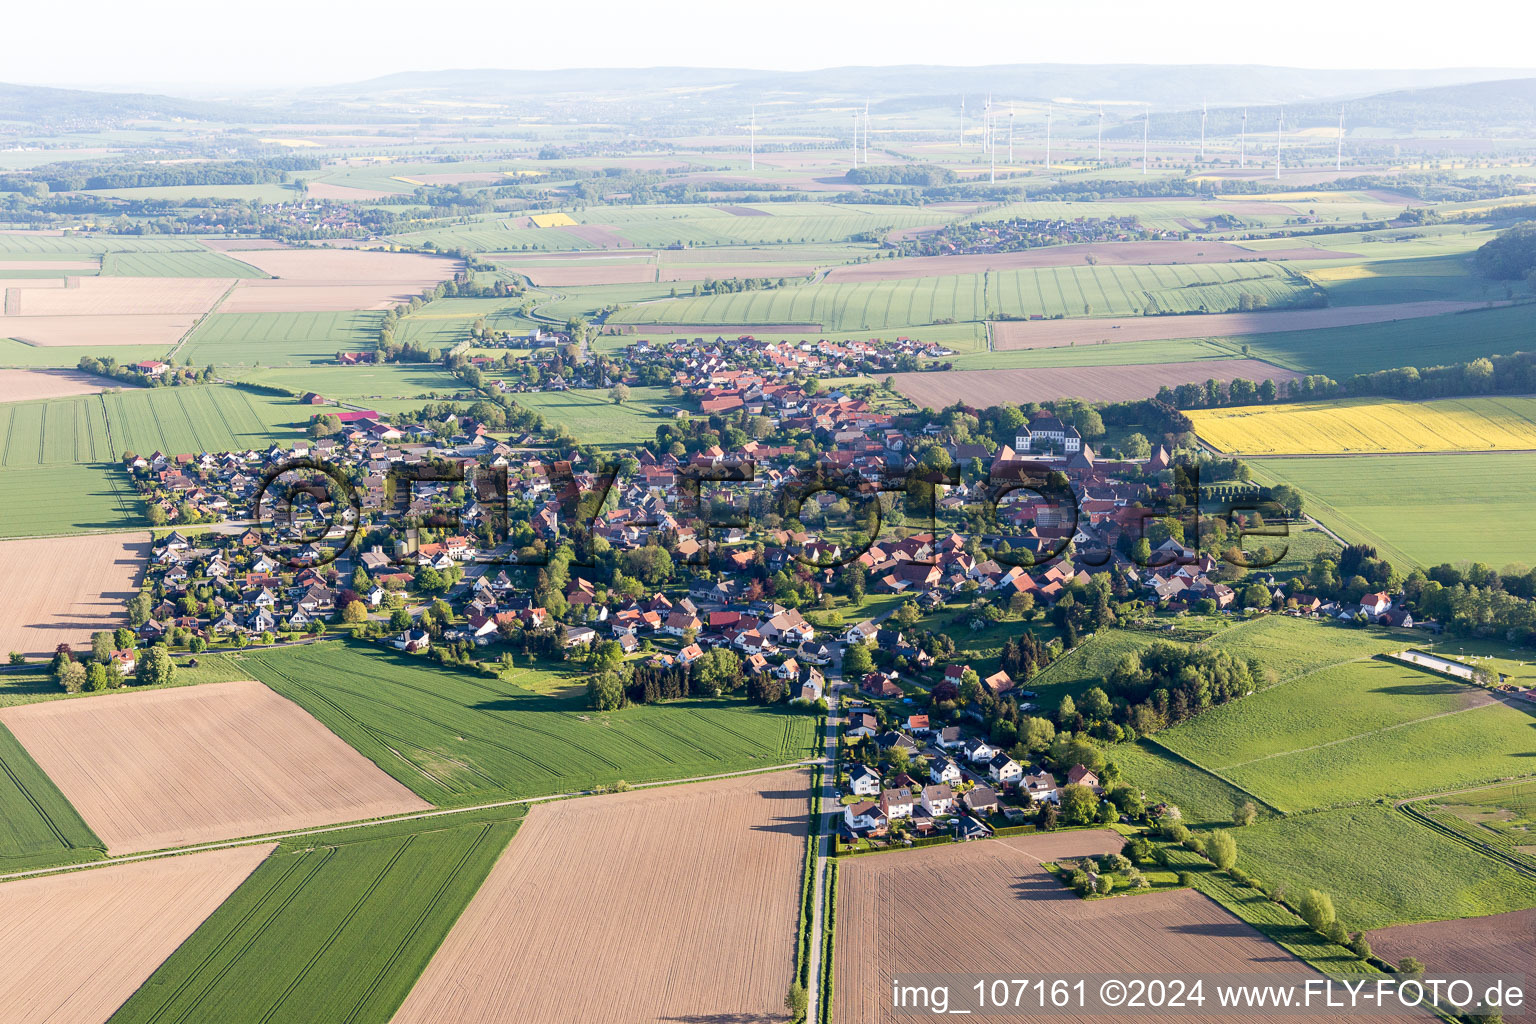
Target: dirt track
1017 334
677 903
162 768
981 388
78 945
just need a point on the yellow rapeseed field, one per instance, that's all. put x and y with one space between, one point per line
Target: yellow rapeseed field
1371 426
553 220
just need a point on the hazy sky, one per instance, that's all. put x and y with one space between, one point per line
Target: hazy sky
183 44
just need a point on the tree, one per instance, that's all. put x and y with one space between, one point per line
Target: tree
1411 966
1037 733
619 394
797 1001
1246 814
1288 498
1066 710
1316 908
908 614
857 661
138 608
1136 446
1222 849
96 678
605 691
72 677
155 667
1048 817
1104 885
355 612
1078 804
101 646
124 639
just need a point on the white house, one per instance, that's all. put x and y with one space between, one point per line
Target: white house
938 800
864 816
896 803
864 780
944 770
979 751
1041 787
1003 768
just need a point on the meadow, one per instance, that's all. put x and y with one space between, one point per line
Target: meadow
38 827
1164 776
356 383
592 417
1046 291
454 738
1380 867
18 353
1367 426
1503 817
335 926
270 339
1421 509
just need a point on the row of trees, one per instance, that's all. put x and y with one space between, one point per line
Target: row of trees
96 672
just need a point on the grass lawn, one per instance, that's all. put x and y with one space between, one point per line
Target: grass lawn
333 927
1421 509
454 738
593 418
1380 866
38 827
1164 776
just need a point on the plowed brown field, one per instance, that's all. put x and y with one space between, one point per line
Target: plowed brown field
164 768
990 908
60 590
981 388
669 904
151 329
119 296
313 280
77 945
26 385
1497 944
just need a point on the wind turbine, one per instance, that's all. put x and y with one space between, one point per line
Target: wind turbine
986 124
1279 139
752 142
1146 116
1010 133
1242 145
1101 133
1048 111
855 138
962 120
1203 113
1338 158
866 132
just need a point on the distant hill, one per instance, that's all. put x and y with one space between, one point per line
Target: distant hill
40 105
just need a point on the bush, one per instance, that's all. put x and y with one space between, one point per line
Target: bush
1239 876
1336 932
1195 844
1222 849
1360 945
17 658
1186 878
1104 885
1316 909
1245 814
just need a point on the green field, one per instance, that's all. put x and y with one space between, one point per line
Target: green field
1423 509
1419 341
1049 291
1380 866
592 418
1358 732
1503 817
38 827
176 420
276 339
455 739
42 501
16 353
193 263
333 927
356 383
1163 776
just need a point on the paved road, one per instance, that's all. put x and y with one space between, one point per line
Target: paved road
829 813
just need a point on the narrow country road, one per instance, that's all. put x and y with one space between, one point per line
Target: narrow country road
828 822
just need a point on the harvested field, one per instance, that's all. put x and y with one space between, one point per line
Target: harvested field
1497 944
286 297
130 917
25 385
351 266
1105 253
62 589
685 871
334 280
9 265
152 329
892 918
1015 334
603 238
981 388
118 296
163 768
743 211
